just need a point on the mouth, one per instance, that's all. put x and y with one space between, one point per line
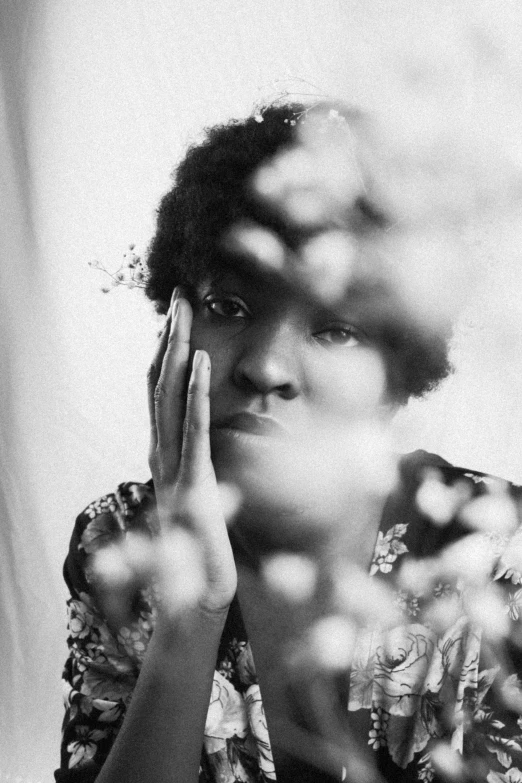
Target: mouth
250 424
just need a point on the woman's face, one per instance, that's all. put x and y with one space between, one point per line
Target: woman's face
291 382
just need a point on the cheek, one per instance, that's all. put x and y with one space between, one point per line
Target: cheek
351 386
220 353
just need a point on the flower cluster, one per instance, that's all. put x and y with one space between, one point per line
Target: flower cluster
131 273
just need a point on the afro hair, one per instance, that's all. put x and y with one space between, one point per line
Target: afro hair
211 192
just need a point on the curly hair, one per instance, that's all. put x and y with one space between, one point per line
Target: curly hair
211 192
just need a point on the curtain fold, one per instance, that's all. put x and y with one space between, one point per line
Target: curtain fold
30 605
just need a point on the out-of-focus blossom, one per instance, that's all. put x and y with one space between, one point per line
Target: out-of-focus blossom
110 565
172 563
329 260
494 513
485 607
417 575
330 642
322 268
448 762
259 244
512 694
348 176
471 559
437 500
291 575
443 613
180 571
229 500
363 599
312 183
350 481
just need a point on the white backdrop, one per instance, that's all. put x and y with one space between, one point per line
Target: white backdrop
98 101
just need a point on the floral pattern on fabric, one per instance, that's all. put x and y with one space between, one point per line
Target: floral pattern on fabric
104 663
388 548
415 686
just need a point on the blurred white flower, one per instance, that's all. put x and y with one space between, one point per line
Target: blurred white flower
491 513
448 762
364 600
443 613
471 559
317 180
416 575
329 260
110 566
258 244
330 643
230 500
290 575
437 500
511 690
179 571
486 608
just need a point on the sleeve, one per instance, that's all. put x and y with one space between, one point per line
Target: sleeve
102 668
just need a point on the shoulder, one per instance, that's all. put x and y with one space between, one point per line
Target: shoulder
441 502
419 467
106 521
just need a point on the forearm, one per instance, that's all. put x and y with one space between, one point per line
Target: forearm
162 734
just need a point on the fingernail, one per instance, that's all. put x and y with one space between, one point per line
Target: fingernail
199 360
173 298
175 308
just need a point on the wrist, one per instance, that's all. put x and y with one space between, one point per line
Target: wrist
179 636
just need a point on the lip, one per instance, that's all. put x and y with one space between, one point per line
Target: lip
251 423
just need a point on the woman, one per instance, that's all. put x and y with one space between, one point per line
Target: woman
280 385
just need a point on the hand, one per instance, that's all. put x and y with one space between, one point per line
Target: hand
190 563
184 478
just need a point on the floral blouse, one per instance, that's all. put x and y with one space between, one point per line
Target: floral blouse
403 680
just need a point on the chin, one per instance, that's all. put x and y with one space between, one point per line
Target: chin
248 469
295 493
281 506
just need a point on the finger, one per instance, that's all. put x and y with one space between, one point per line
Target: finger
153 378
169 395
154 371
195 461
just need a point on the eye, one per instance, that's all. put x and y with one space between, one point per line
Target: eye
227 306
343 335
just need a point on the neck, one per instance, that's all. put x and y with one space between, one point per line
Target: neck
344 534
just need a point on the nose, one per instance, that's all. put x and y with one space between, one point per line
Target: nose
269 362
